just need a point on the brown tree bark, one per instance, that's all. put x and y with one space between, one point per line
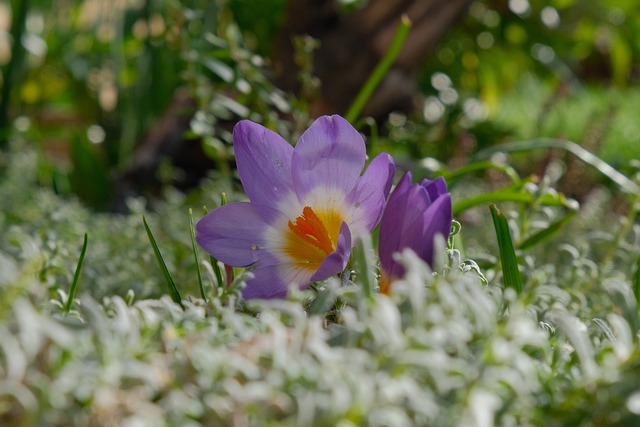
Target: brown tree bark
351 45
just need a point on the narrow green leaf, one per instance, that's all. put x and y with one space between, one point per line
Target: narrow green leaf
227 268
380 71
587 157
548 232
636 281
452 176
219 68
512 193
325 298
76 276
212 260
510 271
194 247
364 266
173 290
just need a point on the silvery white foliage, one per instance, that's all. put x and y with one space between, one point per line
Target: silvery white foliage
442 350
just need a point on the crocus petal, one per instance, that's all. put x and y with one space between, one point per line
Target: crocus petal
419 235
437 220
335 262
331 153
266 284
413 216
263 160
417 201
370 194
233 233
273 278
435 188
392 223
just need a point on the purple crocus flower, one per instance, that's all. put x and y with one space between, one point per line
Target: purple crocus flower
307 207
414 215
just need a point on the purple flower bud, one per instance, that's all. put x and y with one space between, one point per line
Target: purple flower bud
414 215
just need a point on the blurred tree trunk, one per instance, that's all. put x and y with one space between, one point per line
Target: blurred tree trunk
352 44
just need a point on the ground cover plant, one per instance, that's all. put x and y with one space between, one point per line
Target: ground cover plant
452 265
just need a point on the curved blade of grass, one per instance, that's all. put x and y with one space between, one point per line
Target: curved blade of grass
231 276
380 71
510 194
76 276
194 247
548 232
510 272
212 260
173 290
452 176
587 157
636 281
363 264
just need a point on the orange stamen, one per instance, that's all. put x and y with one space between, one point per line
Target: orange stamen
310 228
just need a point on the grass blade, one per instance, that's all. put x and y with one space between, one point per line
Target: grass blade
636 280
510 271
380 71
587 157
173 290
453 176
227 268
194 247
76 276
512 193
363 265
212 260
547 232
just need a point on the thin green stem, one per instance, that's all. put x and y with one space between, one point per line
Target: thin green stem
381 70
76 277
212 260
364 267
627 185
173 290
194 247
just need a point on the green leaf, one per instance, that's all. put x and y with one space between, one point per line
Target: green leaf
380 71
219 68
212 260
76 276
363 264
587 157
512 193
90 176
452 176
194 247
548 232
510 271
173 290
326 298
636 281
